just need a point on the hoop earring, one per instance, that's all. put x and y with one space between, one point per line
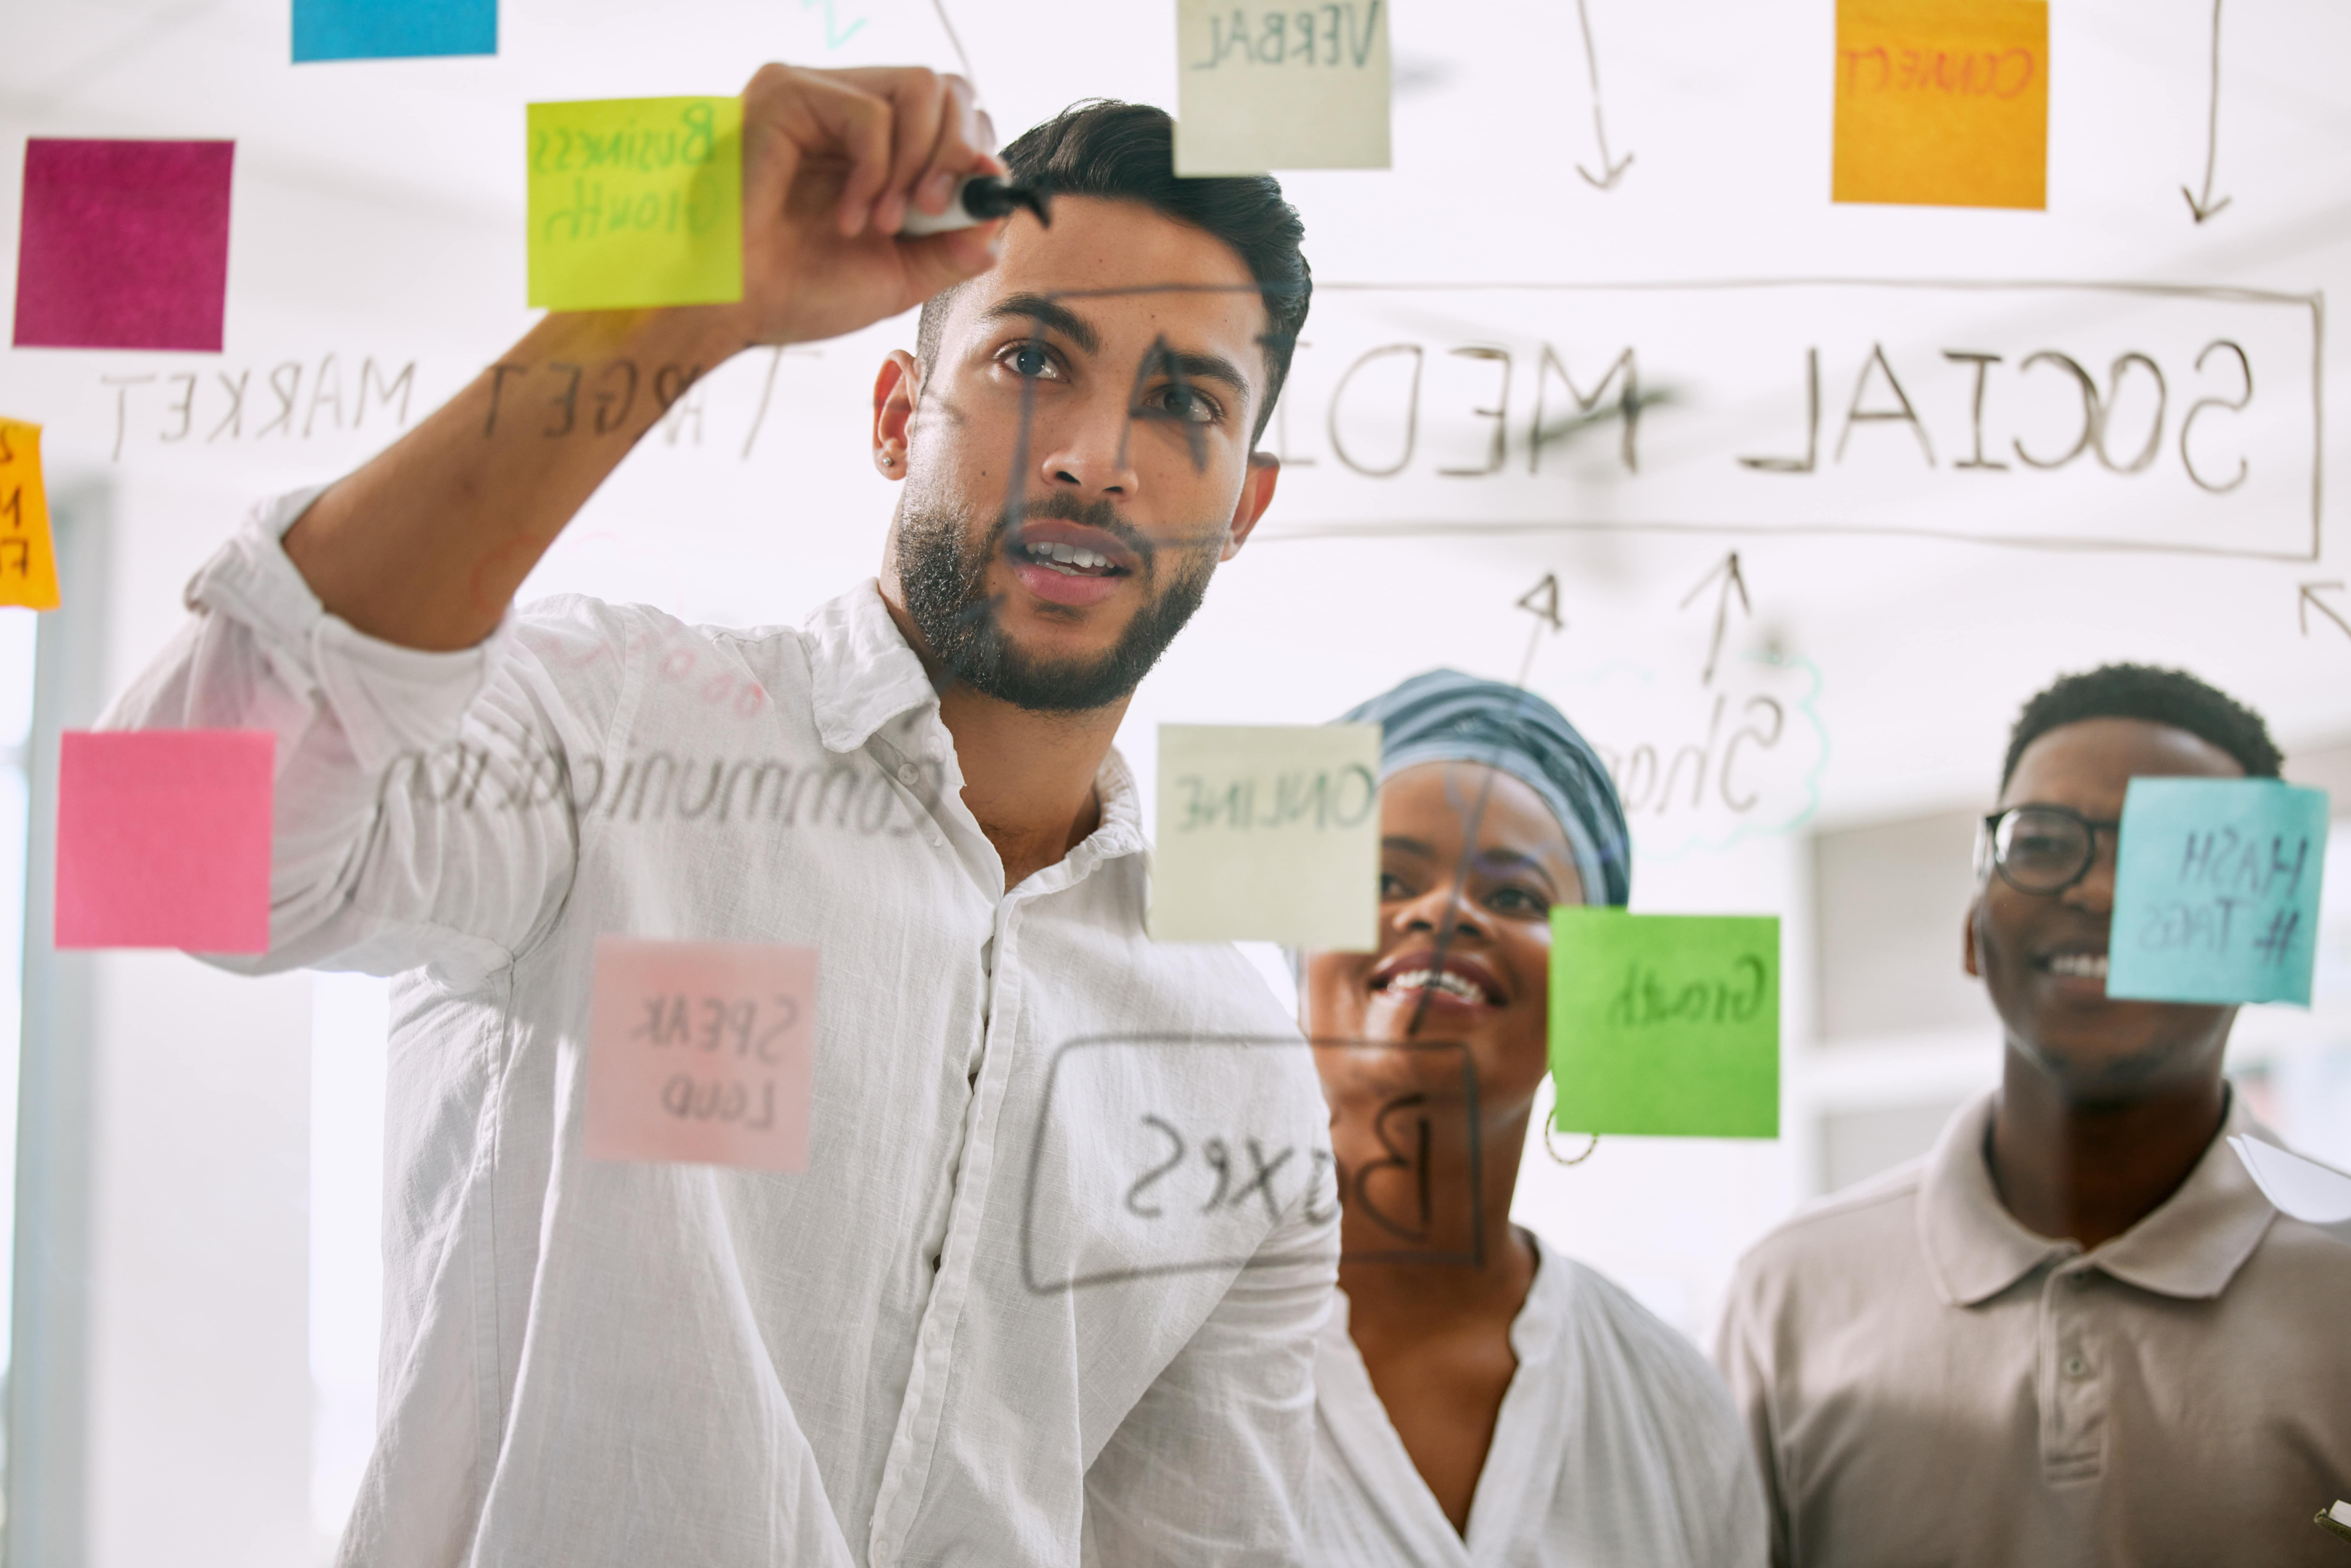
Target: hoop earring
1553 1149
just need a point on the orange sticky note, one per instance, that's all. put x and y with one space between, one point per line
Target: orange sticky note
163 839
1942 102
28 560
702 1052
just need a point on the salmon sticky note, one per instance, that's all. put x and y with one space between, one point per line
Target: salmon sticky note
163 839
1942 102
1268 833
635 202
701 1052
1267 87
29 560
124 246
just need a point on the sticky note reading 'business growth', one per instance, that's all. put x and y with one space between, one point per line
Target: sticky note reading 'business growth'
636 202
164 839
124 244
1267 833
28 560
1666 1024
1942 102
394 29
2216 890
1267 87
701 1052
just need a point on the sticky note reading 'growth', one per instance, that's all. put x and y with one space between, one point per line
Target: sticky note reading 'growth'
1278 87
636 202
164 839
1942 102
2216 890
28 560
394 29
702 1052
1666 1024
124 244
1268 833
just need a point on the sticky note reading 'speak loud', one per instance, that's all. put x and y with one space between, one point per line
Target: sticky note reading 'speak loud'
2216 890
635 202
1266 87
1942 102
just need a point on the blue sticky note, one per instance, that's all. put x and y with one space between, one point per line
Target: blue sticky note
2216 890
394 29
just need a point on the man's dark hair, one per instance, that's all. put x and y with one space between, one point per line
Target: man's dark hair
1126 151
2160 697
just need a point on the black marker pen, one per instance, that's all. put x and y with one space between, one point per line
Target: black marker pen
981 199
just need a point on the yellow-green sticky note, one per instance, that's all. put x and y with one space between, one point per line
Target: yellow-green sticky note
636 202
1942 102
1666 1025
28 557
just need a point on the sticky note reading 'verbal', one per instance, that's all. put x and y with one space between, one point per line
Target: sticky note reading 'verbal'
28 560
701 1052
163 839
1666 1024
1268 833
1267 87
636 202
124 244
2216 890
394 29
1942 102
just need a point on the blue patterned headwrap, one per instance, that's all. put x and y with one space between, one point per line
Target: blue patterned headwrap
1447 716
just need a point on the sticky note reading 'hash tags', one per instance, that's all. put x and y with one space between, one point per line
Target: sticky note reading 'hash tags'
125 245
1267 87
29 560
163 839
1942 102
701 1052
636 202
1268 833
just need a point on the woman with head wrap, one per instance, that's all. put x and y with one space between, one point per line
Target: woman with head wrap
1480 1399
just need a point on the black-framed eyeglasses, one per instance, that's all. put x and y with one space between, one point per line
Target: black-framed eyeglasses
2043 850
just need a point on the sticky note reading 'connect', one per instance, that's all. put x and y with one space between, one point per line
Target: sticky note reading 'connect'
1268 833
702 1052
28 560
636 202
164 839
2216 890
1942 102
125 245
1267 87
1666 1024
394 29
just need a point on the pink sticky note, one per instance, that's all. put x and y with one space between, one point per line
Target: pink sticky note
701 1052
124 244
164 839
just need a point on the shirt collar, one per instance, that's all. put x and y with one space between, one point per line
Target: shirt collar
863 673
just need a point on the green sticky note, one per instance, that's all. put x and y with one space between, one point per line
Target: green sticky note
1666 1025
2216 890
1268 833
636 202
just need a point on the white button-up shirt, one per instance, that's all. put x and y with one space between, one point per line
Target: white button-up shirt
991 1322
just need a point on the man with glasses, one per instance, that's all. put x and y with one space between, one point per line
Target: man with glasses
2075 1331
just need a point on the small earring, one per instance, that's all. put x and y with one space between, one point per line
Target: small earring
1551 1117
887 460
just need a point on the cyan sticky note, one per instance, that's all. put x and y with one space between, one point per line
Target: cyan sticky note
163 839
2216 890
394 29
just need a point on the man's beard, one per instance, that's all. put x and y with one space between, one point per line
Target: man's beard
944 578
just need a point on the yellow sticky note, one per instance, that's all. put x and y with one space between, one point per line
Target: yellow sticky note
1268 833
29 560
1267 85
1942 102
636 202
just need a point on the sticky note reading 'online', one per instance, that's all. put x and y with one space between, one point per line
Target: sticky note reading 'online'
2216 890
701 1052
1267 833
1666 1025
394 29
1942 102
1280 87
124 244
163 839
28 558
635 202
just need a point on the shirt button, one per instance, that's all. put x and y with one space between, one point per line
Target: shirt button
909 774
2079 1282
2077 1367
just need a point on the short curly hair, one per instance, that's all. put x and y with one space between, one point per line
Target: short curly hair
2173 697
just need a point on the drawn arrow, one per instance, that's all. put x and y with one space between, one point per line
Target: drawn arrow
1610 169
1542 602
1732 580
2204 206
2310 600
834 34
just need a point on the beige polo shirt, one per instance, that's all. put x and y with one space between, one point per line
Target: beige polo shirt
1930 1385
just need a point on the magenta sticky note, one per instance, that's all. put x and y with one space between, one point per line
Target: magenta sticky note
701 1052
124 244
164 839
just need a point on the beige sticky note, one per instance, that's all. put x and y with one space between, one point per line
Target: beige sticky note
701 1052
1267 87
1268 833
1942 102
28 558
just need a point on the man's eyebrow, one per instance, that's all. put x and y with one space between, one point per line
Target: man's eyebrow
1192 367
1049 315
